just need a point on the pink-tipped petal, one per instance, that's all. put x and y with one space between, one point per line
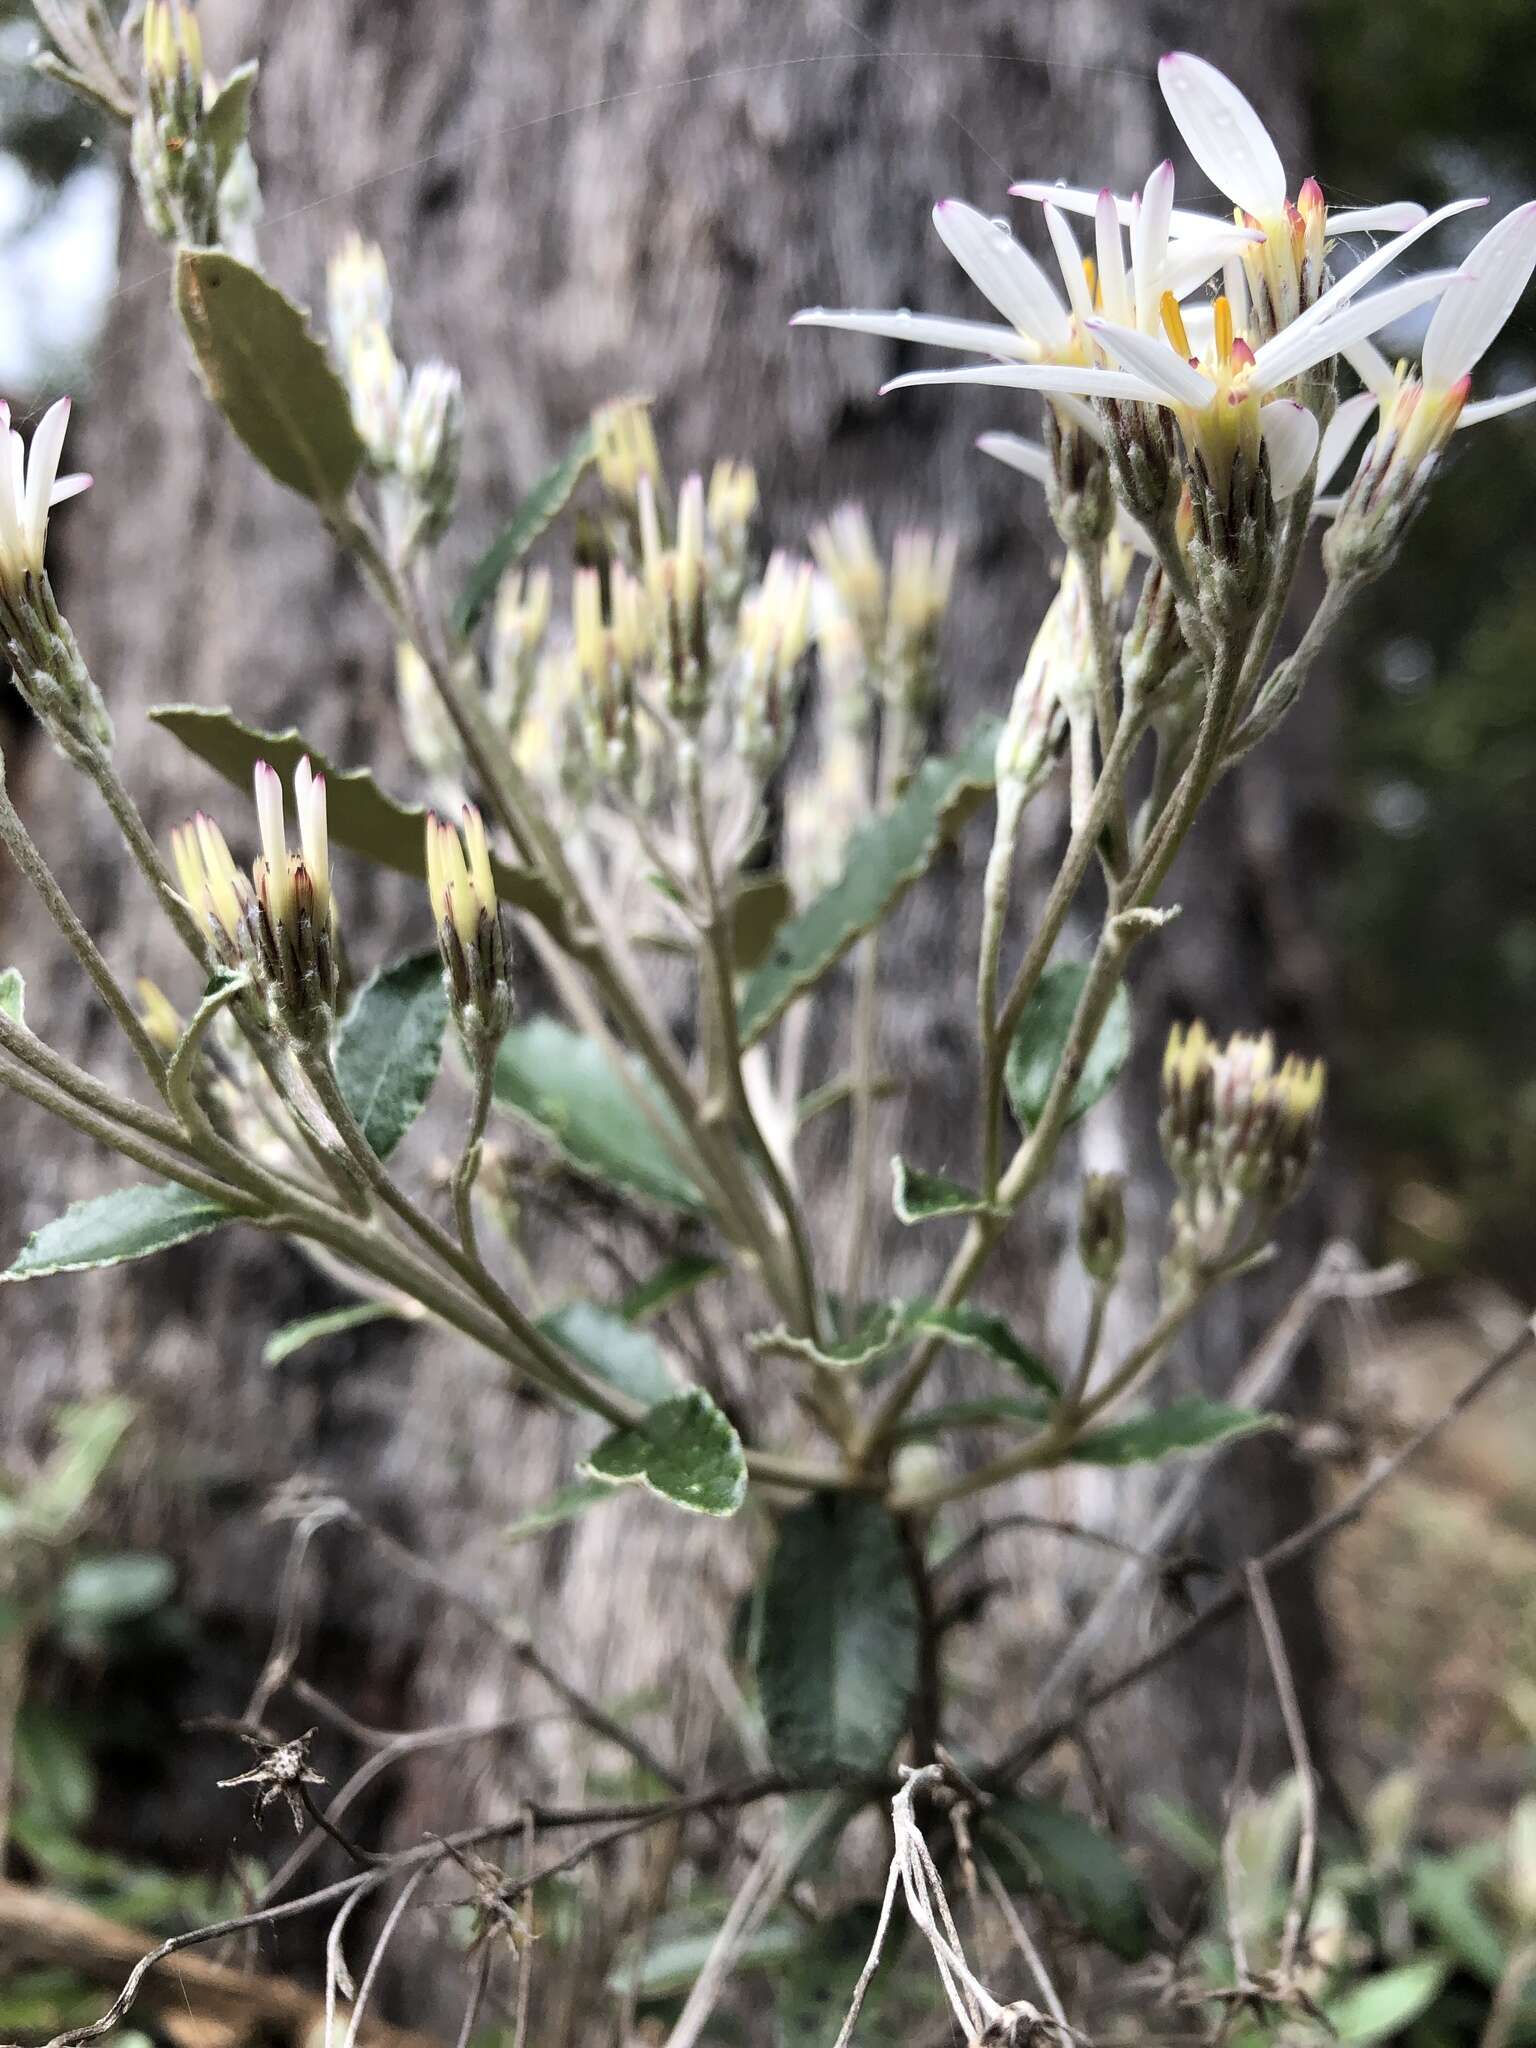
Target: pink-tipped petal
1391 219
1005 271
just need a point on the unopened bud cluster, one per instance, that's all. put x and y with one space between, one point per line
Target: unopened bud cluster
462 889
282 923
1238 1131
1101 1226
411 422
175 164
1393 480
879 630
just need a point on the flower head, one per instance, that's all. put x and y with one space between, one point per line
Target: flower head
626 448
296 926
215 889
430 442
30 485
462 888
357 293
773 632
1236 1123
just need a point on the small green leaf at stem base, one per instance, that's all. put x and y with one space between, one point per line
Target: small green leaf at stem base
1035 1843
294 1337
838 1649
106 1230
1041 1039
1192 1423
389 1048
268 374
566 1504
683 1449
886 856
227 116
610 1347
13 993
1384 2007
548 497
565 1085
919 1197
669 1283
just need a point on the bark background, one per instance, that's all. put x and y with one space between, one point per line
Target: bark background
657 241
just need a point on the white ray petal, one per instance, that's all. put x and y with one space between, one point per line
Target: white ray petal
1005 271
1184 220
1290 436
269 818
983 337
1027 457
1225 136
70 487
1048 377
1189 264
1341 434
1466 323
1309 340
1109 249
1389 220
1341 292
1326 508
42 469
1070 259
1157 364
1371 367
1149 242
1495 408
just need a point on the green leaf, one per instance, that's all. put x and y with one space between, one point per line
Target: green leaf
96 1593
919 1197
684 1449
1444 1893
331 1322
88 1434
390 1045
678 1943
1033 1842
105 1230
227 116
566 1085
610 1346
1383 2007
762 904
667 1284
1191 1423
564 1505
837 1650
53 1769
13 992
979 1329
548 497
814 1987
885 857
1041 1038
359 815
882 1331
268 375
1011 1411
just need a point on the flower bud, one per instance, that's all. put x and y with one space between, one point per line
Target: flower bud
430 733
518 625
607 656
162 1021
1144 459
844 551
377 384
430 444
731 505
462 891
1078 490
357 293
922 573
675 580
773 632
1101 1226
294 921
175 164
1237 1131
821 811
626 449
216 892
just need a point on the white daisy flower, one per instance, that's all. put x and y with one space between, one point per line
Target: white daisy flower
1280 269
1420 412
28 488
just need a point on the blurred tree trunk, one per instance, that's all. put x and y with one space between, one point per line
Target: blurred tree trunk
654 241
